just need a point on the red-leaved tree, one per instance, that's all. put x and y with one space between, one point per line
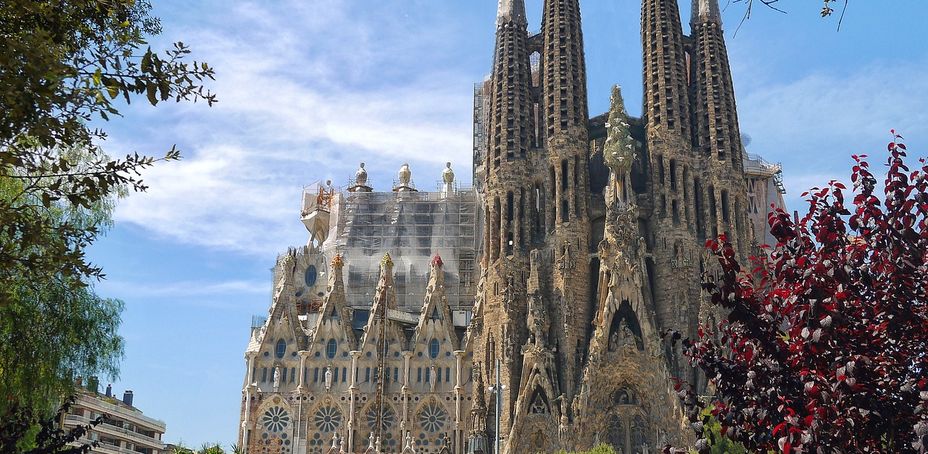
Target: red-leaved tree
825 346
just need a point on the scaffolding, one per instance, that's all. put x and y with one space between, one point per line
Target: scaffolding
413 227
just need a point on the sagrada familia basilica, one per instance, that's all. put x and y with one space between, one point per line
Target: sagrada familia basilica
524 314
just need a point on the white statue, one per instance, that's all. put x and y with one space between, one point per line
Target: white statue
447 175
276 378
434 378
405 175
447 178
360 177
328 378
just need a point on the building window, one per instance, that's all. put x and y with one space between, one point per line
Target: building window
448 374
284 378
428 375
367 374
330 348
315 375
310 276
263 375
433 348
281 348
344 374
419 375
396 374
292 374
335 380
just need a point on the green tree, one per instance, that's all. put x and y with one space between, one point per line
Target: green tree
24 431
65 67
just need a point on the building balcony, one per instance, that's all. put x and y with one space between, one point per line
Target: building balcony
116 431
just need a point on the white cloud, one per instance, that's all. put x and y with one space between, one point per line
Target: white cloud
305 93
815 123
186 289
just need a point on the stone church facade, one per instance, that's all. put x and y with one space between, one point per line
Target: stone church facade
525 312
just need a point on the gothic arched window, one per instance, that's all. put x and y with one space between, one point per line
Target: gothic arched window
310 276
281 348
331 348
434 347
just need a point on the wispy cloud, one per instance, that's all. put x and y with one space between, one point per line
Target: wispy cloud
815 123
305 93
186 289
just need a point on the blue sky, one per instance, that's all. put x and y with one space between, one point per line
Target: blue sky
310 88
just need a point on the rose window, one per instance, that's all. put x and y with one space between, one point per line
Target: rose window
433 417
276 419
387 421
328 419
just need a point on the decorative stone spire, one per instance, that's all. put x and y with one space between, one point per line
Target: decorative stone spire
705 11
511 11
386 265
360 181
478 414
404 180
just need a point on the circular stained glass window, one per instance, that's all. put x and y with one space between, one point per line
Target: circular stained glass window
433 417
388 419
311 275
276 419
328 419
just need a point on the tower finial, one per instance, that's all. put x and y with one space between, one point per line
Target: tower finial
511 11
705 11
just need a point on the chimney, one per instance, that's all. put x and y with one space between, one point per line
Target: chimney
127 397
109 390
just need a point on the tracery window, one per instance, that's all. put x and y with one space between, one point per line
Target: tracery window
328 418
275 419
433 417
281 348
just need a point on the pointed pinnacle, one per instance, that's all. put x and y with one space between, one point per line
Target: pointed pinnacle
511 11
705 11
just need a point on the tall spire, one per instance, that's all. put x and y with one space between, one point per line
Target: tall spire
511 11
716 117
565 97
705 11
666 98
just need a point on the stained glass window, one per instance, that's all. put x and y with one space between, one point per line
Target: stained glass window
310 276
433 417
434 346
328 419
276 419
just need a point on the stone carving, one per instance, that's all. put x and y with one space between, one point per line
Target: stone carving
276 378
328 378
538 324
565 262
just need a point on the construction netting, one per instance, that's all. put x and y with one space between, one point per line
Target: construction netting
412 227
